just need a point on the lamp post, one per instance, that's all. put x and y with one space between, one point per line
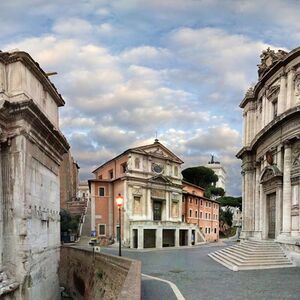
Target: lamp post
119 201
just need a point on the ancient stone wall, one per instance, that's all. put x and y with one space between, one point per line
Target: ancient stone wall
99 276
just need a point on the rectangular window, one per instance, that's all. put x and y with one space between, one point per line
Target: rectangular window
209 204
215 230
205 215
176 171
100 177
209 216
191 213
201 202
205 229
196 214
196 201
111 174
102 229
208 229
191 200
123 168
101 191
200 214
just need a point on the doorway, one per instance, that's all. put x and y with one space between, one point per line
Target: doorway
271 204
135 238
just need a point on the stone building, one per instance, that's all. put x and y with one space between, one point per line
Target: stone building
219 170
149 179
69 174
200 211
271 150
31 151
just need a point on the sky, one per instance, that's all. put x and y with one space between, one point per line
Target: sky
129 69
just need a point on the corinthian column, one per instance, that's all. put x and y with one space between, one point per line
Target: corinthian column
1 213
287 195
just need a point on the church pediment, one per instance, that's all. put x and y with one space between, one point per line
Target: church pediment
158 150
269 173
160 179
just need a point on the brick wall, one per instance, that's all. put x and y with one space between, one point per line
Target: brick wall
99 276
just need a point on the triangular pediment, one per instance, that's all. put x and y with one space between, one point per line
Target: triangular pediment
158 150
269 173
160 179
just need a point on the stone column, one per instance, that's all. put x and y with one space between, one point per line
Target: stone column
286 207
149 205
282 95
290 89
189 237
177 237
244 129
279 158
278 225
1 213
261 203
257 199
243 200
168 196
140 238
159 237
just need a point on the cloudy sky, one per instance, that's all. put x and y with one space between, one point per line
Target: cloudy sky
130 68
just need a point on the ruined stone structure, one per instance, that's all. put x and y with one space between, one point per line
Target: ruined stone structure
31 151
271 151
68 171
149 179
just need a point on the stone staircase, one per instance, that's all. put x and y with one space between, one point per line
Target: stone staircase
252 255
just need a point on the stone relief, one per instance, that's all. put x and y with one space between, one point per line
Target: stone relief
269 58
297 85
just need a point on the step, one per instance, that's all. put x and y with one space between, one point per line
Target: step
253 254
255 257
252 261
239 262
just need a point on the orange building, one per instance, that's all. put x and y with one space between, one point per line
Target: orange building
201 211
149 179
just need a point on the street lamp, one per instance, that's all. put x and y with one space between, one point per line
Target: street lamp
119 201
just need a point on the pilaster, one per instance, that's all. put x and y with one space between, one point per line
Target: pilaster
282 95
286 207
177 237
159 237
140 238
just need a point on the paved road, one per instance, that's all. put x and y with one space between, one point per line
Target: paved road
199 277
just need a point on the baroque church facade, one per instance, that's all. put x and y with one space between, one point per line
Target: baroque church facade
149 180
271 151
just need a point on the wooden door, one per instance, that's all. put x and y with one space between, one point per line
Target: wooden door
272 214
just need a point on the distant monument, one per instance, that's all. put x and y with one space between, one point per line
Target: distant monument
219 170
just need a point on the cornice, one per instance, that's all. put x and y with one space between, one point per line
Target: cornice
40 130
278 121
8 58
277 66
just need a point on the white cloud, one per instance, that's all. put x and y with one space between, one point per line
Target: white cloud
72 26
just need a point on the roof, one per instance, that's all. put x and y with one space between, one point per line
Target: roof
15 56
194 185
142 150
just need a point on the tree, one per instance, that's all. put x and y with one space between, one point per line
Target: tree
68 223
205 178
231 201
201 176
226 216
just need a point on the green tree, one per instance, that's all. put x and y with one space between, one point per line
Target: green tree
226 216
201 176
231 201
205 178
68 223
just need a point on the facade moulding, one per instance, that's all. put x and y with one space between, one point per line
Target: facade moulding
20 56
275 68
272 126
